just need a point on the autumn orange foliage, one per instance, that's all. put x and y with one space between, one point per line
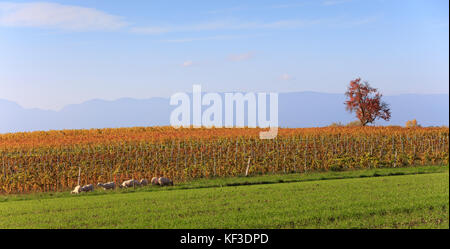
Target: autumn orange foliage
366 102
49 161
412 123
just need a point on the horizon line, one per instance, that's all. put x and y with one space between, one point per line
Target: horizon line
159 97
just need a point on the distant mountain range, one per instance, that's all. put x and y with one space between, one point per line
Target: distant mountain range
301 109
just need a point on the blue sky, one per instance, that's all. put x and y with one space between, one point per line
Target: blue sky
64 52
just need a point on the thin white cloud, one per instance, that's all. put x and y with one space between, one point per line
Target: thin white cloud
241 57
239 25
75 18
210 38
228 10
150 30
224 25
258 8
207 26
335 2
187 64
288 5
286 76
57 16
192 39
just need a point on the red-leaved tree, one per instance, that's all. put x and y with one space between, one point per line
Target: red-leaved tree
366 102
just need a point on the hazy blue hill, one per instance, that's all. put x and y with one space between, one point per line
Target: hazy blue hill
302 109
311 109
429 110
119 113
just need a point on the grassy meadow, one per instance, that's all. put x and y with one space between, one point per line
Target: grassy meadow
413 197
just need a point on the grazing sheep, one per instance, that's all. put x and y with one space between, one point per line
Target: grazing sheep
143 182
106 186
76 190
155 181
87 188
130 183
165 181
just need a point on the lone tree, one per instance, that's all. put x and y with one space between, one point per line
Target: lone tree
366 102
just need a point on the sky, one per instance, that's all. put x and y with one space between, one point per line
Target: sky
57 53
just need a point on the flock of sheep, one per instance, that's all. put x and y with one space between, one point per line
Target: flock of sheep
161 181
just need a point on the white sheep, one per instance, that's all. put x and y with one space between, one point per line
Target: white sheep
106 186
155 181
76 190
87 188
143 182
165 181
130 183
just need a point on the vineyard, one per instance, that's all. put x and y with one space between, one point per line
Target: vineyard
50 161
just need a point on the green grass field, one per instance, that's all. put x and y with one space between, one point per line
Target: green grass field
416 197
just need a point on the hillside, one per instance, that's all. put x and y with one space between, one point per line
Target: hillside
303 109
